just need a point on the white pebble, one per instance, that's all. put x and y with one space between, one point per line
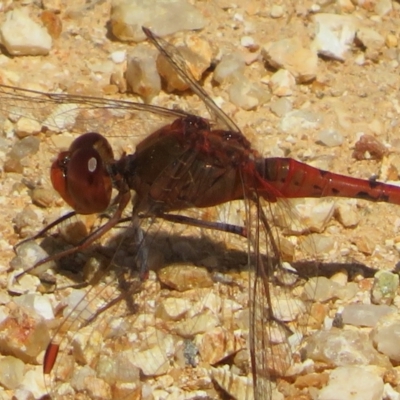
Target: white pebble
247 41
118 56
22 36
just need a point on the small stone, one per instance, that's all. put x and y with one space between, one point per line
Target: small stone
163 16
118 56
318 244
34 383
282 83
52 22
346 6
248 95
26 222
25 147
338 347
141 72
372 40
281 107
239 387
330 138
154 361
217 344
37 303
200 323
23 335
26 127
312 380
365 314
299 120
312 215
383 7
247 41
28 254
286 309
320 289
334 34
277 11
229 69
12 370
346 213
52 5
183 278
196 53
354 383
13 165
369 148
173 309
367 241
43 197
290 54
385 287
21 36
391 40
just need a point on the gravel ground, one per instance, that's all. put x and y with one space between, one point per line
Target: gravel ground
343 99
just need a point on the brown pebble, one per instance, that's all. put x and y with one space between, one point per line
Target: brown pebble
369 145
313 379
52 22
13 165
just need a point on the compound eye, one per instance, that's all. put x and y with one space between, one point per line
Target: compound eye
80 175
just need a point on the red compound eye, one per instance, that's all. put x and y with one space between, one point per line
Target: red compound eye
80 176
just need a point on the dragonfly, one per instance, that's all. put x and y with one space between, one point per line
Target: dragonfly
187 164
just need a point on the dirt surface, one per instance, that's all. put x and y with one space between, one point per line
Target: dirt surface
349 96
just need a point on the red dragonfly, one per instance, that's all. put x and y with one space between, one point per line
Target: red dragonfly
183 165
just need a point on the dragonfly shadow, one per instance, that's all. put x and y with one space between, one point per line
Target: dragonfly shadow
166 248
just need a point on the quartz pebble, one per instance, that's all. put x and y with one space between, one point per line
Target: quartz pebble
372 41
282 83
173 309
346 213
365 314
23 335
386 336
163 16
37 303
281 107
318 244
25 147
12 370
229 69
330 137
299 121
290 54
141 72
334 35
197 55
354 383
21 36
33 382
239 387
217 344
311 215
340 347
28 254
154 361
26 222
248 95
26 127
383 7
